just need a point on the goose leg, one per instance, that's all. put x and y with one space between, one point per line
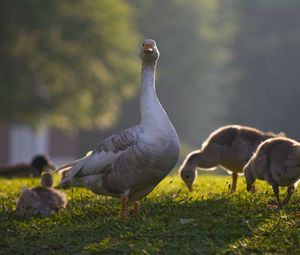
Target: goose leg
124 199
276 191
136 207
234 181
290 192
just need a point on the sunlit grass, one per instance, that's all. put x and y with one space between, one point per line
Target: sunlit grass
172 221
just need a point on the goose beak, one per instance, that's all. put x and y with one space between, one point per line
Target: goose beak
148 49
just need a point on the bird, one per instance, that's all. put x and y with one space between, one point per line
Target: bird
34 168
43 199
230 147
277 161
130 163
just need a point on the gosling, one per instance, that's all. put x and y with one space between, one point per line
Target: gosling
43 199
229 147
277 161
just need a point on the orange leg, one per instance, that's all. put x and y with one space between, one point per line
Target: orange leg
124 200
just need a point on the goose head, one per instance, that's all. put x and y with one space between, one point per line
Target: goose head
149 51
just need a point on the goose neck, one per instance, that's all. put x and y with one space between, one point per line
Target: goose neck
148 75
150 107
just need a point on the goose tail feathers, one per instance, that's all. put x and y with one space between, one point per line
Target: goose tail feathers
69 170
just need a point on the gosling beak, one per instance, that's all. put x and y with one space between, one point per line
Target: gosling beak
190 186
249 188
148 49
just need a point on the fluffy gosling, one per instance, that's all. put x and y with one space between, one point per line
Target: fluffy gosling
277 161
229 147
43 199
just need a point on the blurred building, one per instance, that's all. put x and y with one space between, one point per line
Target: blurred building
20 143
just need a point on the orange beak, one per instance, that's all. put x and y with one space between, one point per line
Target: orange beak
148 49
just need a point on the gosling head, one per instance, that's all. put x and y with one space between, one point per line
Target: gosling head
188 171
47 180
249 176
188 177
149 51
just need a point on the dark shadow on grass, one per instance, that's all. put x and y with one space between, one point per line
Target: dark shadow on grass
175 223
211 225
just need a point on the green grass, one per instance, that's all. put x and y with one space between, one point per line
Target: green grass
172 221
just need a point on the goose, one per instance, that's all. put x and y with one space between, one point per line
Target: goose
229 146
277 161
129 164
42 199
34 168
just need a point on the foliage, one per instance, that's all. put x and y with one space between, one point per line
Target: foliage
70 63
267 58
66 62
172 221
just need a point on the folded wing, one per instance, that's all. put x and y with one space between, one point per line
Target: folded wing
102 157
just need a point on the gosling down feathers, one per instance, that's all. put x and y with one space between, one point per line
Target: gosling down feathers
229 147
277 160
130 163
43 199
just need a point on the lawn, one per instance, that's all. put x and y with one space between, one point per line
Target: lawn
171 221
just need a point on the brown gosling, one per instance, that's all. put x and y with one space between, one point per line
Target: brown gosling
43 199
276 161
229 147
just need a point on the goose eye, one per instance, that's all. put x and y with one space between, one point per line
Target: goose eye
187 176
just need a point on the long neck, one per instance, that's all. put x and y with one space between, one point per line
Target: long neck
151 109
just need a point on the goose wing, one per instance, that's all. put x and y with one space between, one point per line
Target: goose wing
102 157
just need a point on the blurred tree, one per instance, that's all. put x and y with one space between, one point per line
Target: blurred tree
68 63
194 38
267 57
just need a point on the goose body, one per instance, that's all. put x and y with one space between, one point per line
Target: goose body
133 161
277 161
230 147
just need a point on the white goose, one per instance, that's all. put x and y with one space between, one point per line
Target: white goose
130 163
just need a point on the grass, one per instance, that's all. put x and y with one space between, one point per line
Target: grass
172 221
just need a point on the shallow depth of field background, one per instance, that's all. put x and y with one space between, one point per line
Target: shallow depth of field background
70 71
70 77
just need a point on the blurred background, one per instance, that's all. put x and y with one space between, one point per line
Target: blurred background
70 71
